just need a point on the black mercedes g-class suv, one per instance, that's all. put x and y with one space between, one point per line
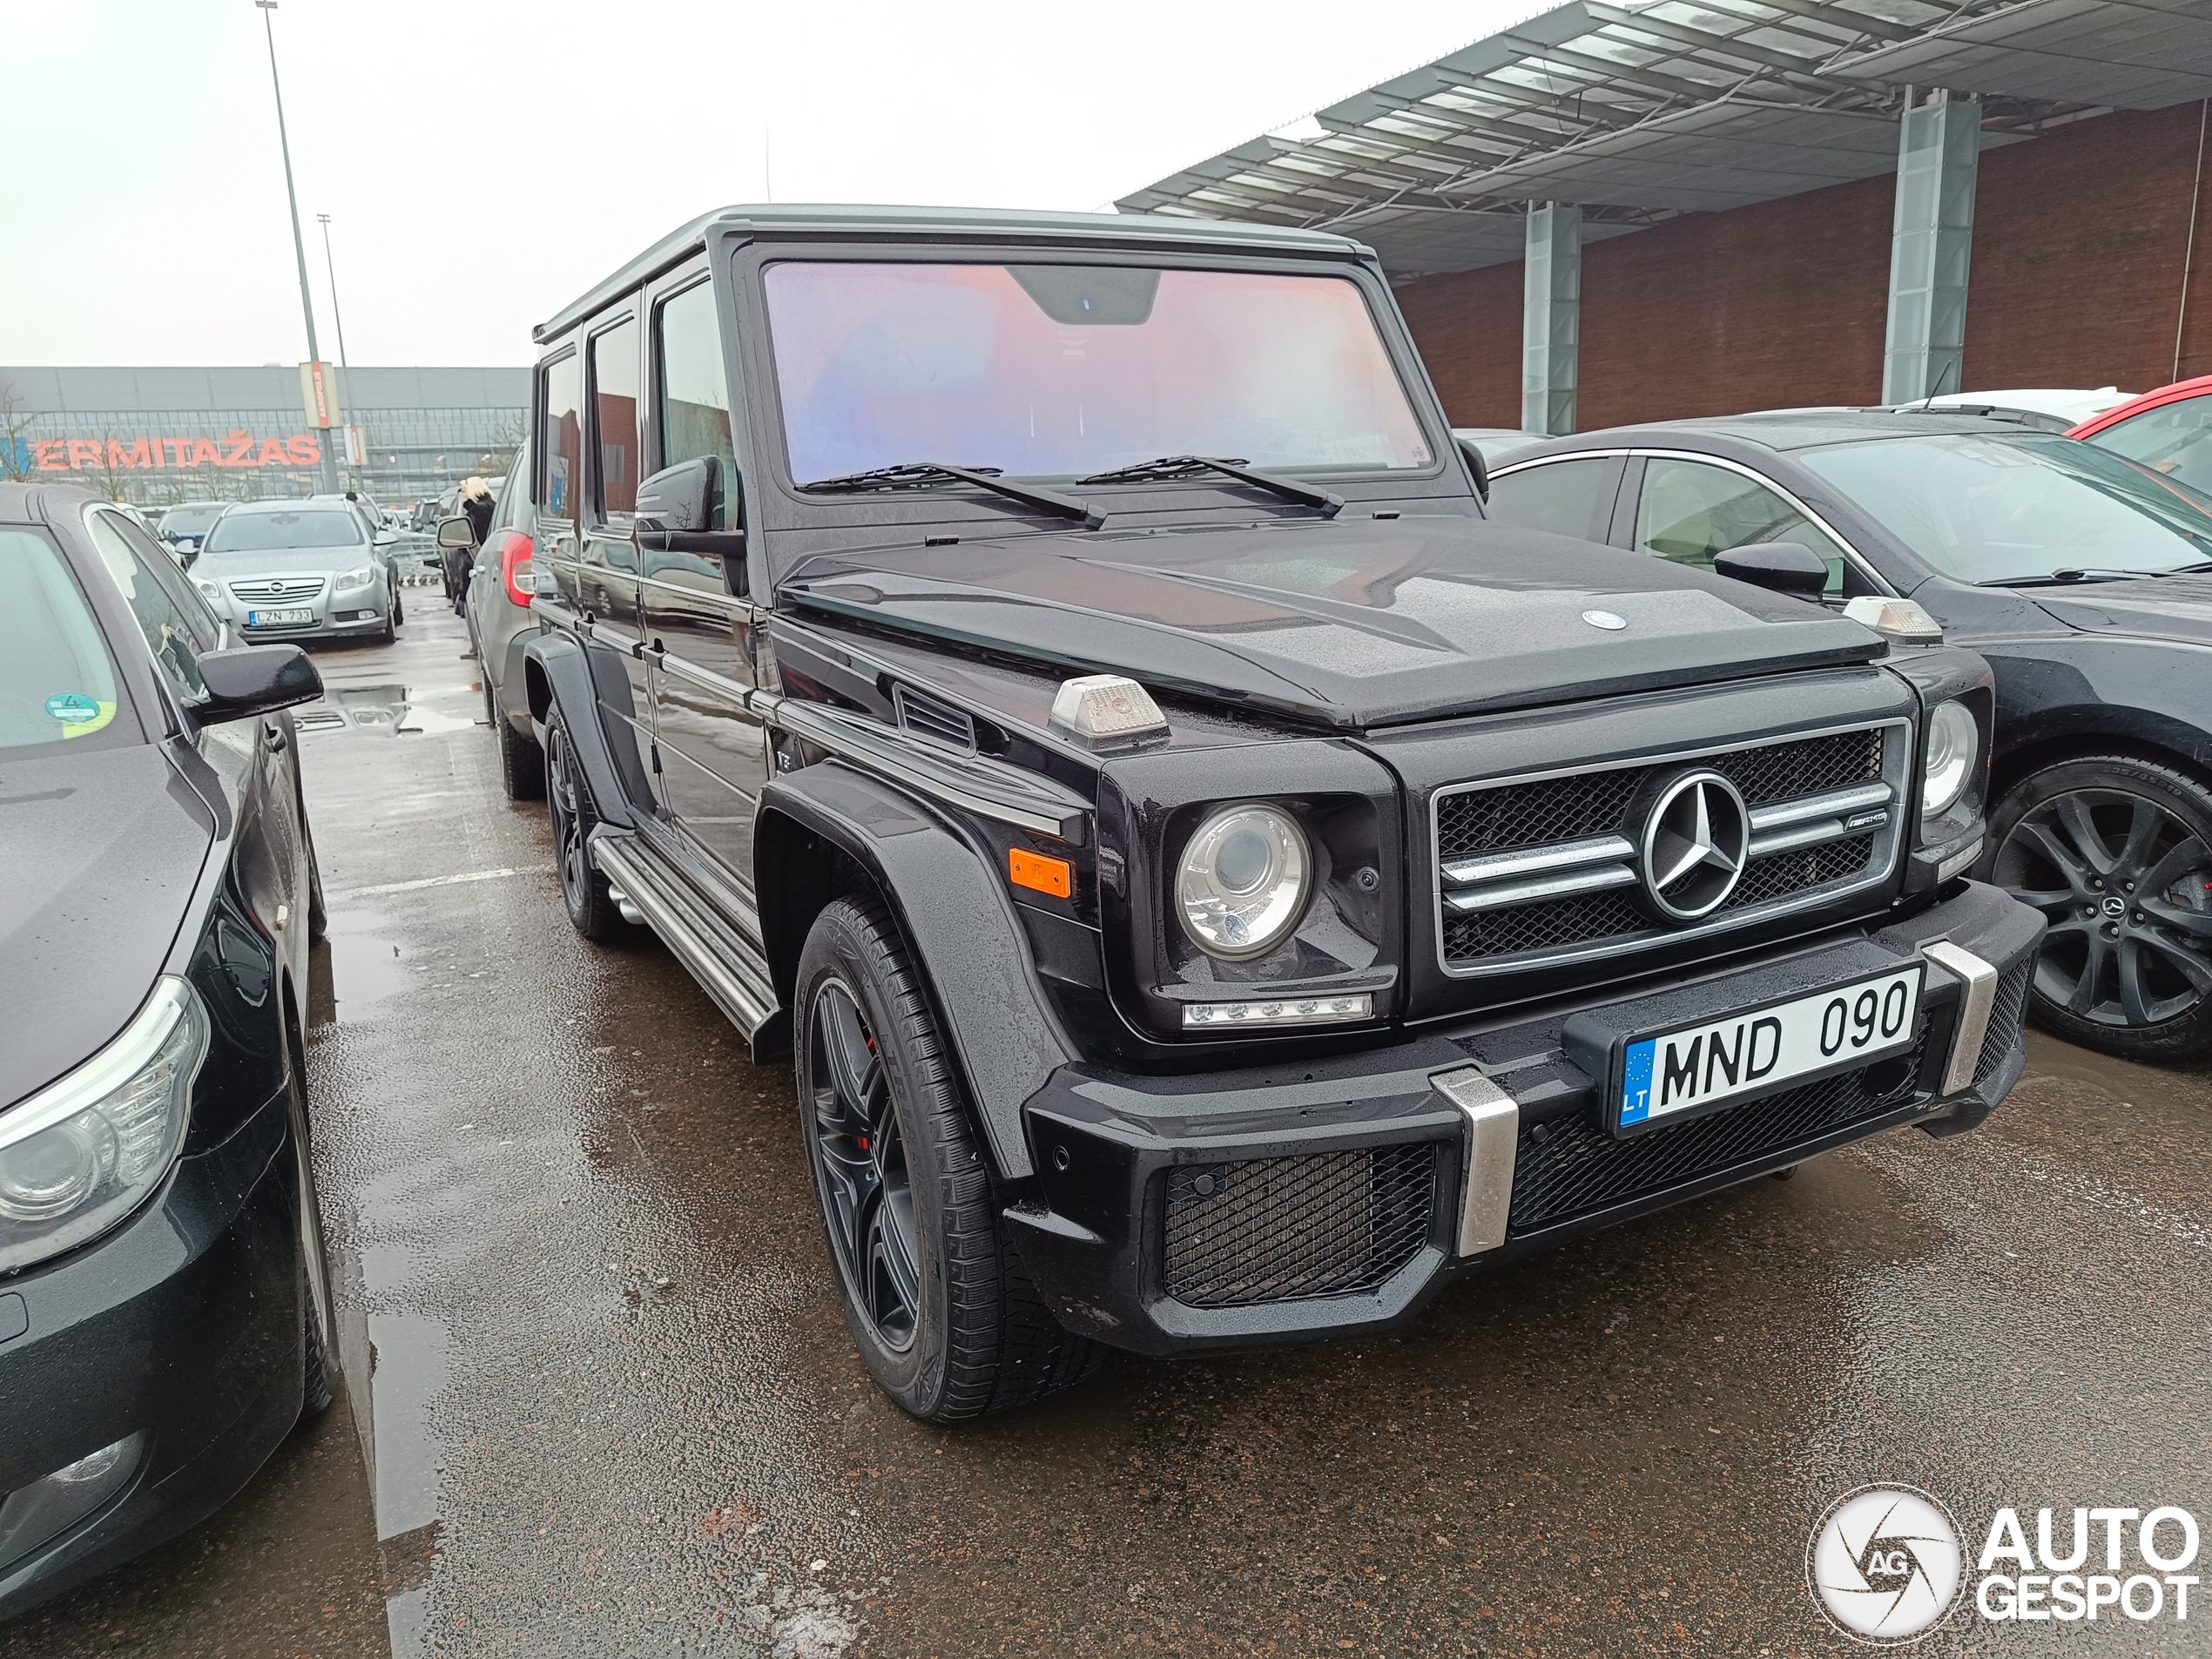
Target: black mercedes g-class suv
1053 676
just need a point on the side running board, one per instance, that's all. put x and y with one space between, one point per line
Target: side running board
726 964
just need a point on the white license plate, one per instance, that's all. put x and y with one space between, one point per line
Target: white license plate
1692 1069
277 618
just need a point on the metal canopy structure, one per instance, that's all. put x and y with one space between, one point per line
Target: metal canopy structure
1638 111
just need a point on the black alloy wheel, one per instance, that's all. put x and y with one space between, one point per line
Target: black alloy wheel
2117 854
584 890
868 1201
935 1294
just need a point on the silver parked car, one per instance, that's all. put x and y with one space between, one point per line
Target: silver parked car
290 569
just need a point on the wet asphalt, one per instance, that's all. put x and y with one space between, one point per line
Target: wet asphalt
599 1398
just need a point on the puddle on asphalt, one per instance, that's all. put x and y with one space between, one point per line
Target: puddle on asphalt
364 970
361 708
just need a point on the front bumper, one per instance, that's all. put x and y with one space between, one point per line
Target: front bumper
180 1334
1330 1199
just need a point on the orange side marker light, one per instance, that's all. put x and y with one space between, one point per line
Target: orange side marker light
1035 870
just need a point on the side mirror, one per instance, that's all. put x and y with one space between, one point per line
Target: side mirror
247 680
456 532
1784 567
681 497
1478 466
677 510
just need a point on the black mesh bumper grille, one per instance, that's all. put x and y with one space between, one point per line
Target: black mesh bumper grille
1593 804
1291 1229
2006 1016
1566 1167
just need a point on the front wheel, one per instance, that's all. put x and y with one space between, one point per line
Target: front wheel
935 1294
2117 854
521 763
568 797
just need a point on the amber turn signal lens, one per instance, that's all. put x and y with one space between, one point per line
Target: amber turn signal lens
1055 876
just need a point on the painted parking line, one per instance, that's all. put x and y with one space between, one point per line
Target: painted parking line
443 880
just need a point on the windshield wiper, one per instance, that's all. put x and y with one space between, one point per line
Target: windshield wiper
2068 578
916 474
1184 466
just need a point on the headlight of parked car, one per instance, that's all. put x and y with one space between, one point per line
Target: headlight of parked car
359 578
1954 744
1241 883
81 1154
212 591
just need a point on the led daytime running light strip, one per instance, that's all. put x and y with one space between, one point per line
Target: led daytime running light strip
1284 1010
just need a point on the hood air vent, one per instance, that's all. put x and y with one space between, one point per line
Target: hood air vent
927 717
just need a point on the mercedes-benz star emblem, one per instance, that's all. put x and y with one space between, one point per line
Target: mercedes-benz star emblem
1694 840
1606 619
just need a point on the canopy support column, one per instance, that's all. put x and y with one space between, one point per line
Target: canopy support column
1939 148
1551 318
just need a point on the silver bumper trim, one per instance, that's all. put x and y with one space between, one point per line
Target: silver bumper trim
1981 980
1493 1141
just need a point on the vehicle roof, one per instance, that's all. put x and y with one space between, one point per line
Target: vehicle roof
994 223
2180 391
1784 429
281 503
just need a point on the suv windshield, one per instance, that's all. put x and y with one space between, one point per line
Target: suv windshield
1062 371
56 680
191 520
267 532
2007 510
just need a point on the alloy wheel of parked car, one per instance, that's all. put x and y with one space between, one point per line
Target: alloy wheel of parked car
861 1157
2117 854
935 1296
584 888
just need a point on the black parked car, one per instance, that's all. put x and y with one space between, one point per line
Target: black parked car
163 1308
2084 578
1057 678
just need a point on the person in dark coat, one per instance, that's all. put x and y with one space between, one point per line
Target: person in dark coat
477 505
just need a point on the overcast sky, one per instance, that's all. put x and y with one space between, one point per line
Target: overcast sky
483 161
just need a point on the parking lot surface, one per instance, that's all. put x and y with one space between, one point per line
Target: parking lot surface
600 1399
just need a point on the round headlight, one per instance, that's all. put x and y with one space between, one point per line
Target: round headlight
1954 741
50 1173
1240 886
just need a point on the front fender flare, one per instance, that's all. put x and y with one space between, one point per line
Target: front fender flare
957 920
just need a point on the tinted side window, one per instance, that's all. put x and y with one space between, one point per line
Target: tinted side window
1689 511
561 440
694 397
175 635
1561 497
614 418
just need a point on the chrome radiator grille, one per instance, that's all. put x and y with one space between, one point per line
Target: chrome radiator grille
274 590
1547 869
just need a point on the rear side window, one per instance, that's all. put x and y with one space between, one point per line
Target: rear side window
561 438
1561 497
58 683
694 398
614 418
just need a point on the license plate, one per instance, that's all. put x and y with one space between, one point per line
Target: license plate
277 618
1690 1071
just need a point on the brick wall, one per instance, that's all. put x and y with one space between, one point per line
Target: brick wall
2077 267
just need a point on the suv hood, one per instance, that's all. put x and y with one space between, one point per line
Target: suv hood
1349 624
99 855
2165 607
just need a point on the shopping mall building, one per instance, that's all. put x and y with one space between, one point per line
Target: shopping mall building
159 435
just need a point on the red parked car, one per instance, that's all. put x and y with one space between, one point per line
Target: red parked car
2169 430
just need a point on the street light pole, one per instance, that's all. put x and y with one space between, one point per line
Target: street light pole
299 243
337 316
